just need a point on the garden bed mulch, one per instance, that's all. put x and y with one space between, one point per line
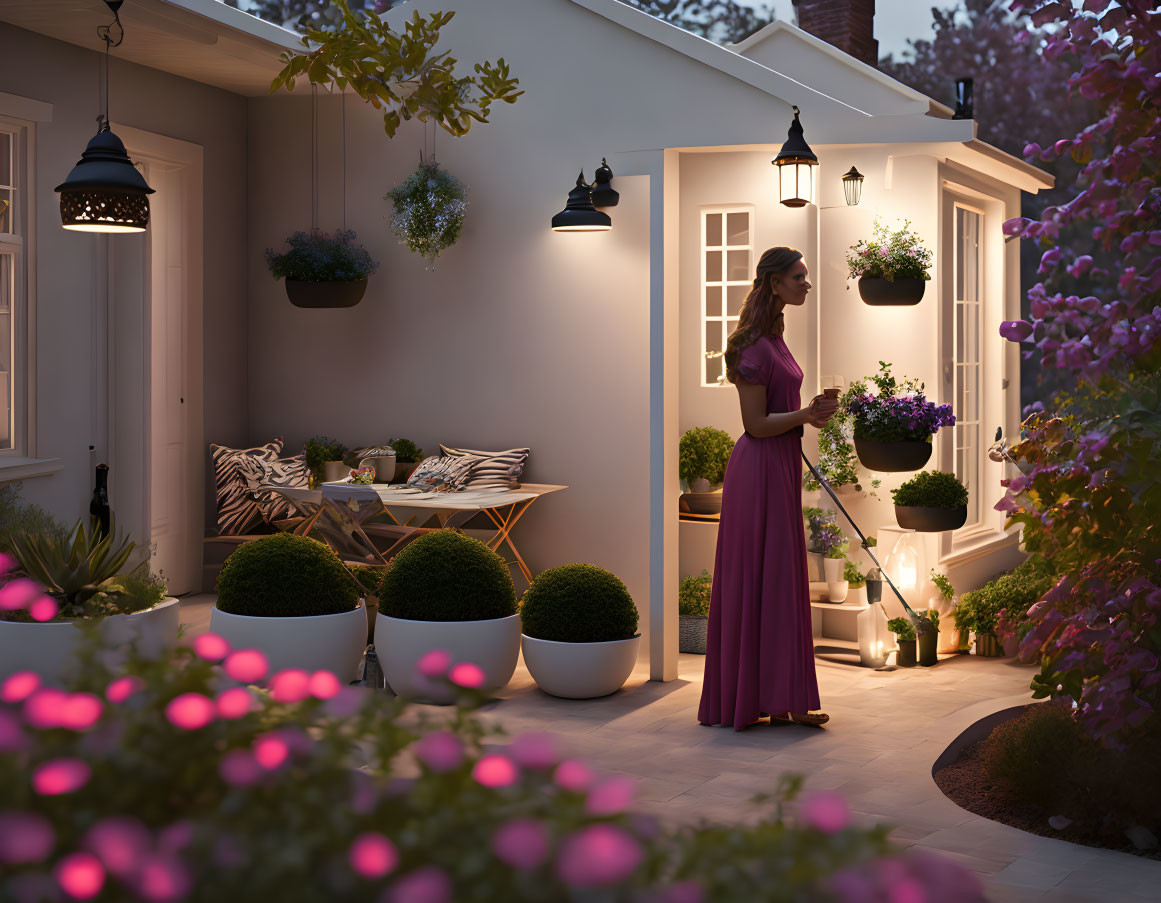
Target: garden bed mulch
966 783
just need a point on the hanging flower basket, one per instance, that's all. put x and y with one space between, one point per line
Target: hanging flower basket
325 294
429 210
930 520
892 457
879 292
894 427
931 502
322 269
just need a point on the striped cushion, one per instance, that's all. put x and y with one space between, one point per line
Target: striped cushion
448 474
238 512
261 473
497 470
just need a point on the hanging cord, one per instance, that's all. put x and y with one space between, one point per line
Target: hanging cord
103 34
314 157
343 100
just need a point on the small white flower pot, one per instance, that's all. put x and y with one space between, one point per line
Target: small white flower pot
332 643
580 670
50 649
836 586
856 595
492 644
837 591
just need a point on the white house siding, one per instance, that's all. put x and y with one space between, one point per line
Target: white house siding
71 266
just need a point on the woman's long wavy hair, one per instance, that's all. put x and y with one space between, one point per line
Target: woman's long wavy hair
761 311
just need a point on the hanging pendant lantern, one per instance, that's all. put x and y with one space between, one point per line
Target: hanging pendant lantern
579 214
105 192
795 162
852 186
604 195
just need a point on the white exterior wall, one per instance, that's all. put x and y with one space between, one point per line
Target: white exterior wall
71 266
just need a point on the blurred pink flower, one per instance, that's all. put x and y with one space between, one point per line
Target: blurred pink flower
12 737
522 844
80 875
19 686
58 776
7 564
239 768
496 771
598 856
434 663
190 711
24 837
425 885
44 708
324 685
574 775
440 751
234 703
290 685
825 811
122 688
120 843
536 751
81 711
611 795
347 702
247 666
467 674
211 647
271 752
19 593
43 609
163 878
372 855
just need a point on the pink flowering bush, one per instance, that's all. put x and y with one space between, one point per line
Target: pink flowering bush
1088 499
155 785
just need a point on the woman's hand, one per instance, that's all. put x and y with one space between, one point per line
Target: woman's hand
820 410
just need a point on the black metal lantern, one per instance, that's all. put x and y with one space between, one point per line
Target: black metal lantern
579 214
105 192
852 186
795 162
604 195
965 107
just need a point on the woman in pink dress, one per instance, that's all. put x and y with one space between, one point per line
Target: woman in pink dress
760 649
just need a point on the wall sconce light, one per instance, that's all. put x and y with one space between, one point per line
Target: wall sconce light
579 214
795 162
105 192
964 100
604 195
852 186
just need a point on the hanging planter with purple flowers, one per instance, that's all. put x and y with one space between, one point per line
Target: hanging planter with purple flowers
894 427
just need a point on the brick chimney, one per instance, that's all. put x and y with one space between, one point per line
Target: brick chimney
847 24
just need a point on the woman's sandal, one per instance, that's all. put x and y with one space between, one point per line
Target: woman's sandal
810 719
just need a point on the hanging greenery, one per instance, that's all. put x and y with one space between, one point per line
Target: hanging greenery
429 209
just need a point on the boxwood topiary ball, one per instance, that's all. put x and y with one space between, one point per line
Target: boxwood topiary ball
285 576
447 576
578 603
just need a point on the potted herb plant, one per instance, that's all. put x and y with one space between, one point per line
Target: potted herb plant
837 461
834 547
446 591
429 210
580 631
904 632
893 427
856 583
322 269
291 597
407 458
979 611
927 634
1010 595
892 266
324 459
57 583
693 605
931 502
703 454
952 637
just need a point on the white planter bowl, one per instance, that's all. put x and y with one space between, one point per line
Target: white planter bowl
50 649
580 670
493 644
332 643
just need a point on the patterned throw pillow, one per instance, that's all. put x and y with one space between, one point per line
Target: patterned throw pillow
496 470
237 509
448 474
262 475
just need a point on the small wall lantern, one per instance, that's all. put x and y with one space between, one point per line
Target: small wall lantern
964 98
604 195
579 214
795 162
852 186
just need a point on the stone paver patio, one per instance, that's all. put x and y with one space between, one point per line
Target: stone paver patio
886 732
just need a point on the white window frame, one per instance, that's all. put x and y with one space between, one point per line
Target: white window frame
724 322
19 244
968 376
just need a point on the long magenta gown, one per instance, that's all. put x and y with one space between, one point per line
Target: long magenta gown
759 646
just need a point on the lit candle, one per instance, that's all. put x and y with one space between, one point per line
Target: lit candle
907 578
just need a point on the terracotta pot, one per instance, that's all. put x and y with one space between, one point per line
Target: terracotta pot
878 292
325 294
892 457
923 519
988 645
906 655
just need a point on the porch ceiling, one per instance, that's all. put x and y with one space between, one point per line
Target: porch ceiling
203 40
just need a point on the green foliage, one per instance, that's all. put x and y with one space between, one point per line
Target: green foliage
1008 595
943 584
931 489
902 628
369 578
927 621
693 595
447 576
890 255
704 452
853 575
578 603
321 257
430 205
319 450
19 517
406 451
75 567
398 73
837 461
286 576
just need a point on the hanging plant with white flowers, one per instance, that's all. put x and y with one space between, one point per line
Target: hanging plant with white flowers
429 209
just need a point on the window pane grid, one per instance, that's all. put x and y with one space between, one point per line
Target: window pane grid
727 262
968 359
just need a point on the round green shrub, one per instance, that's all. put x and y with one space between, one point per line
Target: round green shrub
935 489
704 452
693 595
447 576
285 576
578 603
